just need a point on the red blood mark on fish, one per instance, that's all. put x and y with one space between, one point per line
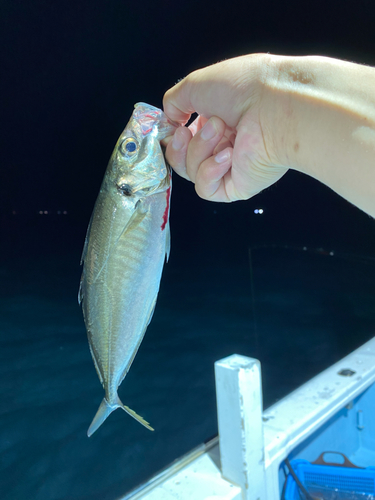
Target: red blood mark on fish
166 211
150 117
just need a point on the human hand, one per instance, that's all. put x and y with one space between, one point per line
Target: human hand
228 151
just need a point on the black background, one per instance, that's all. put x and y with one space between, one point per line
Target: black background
71 72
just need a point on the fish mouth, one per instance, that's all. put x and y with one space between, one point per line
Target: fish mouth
153 120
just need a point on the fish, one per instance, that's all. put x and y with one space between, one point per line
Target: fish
126 245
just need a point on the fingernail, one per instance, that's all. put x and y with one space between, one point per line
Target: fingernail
177 141
222 156
208 131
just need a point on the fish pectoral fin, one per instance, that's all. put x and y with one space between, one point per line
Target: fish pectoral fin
136 218
105 409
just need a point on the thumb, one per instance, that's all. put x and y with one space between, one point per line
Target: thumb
177 104
225 89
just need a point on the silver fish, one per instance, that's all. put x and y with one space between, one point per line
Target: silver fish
126 244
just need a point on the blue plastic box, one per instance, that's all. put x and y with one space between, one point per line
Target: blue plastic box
327 478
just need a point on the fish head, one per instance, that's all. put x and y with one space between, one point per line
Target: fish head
137 166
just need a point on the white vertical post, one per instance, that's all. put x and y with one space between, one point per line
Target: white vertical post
239 409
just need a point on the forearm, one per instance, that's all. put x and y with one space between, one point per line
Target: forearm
321 113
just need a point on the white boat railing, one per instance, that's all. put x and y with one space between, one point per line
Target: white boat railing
245 463
252 443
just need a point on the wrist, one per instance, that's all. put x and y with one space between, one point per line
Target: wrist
320 112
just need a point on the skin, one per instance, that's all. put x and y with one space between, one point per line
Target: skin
261 114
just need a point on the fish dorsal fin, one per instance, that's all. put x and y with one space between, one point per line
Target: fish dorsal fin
80 290
84 251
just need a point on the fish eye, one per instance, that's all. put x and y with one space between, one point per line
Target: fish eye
125 189
129 146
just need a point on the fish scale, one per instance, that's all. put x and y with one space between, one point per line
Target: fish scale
124 252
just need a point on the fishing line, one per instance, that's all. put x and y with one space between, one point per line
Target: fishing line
255 330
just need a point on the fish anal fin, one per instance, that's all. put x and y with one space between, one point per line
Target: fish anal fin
148 320
96 364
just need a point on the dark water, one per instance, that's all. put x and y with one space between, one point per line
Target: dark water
298 311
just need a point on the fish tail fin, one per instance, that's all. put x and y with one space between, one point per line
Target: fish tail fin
133 414
105 409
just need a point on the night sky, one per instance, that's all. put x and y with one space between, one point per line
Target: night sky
71 72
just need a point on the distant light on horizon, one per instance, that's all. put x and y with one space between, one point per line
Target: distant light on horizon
52 212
